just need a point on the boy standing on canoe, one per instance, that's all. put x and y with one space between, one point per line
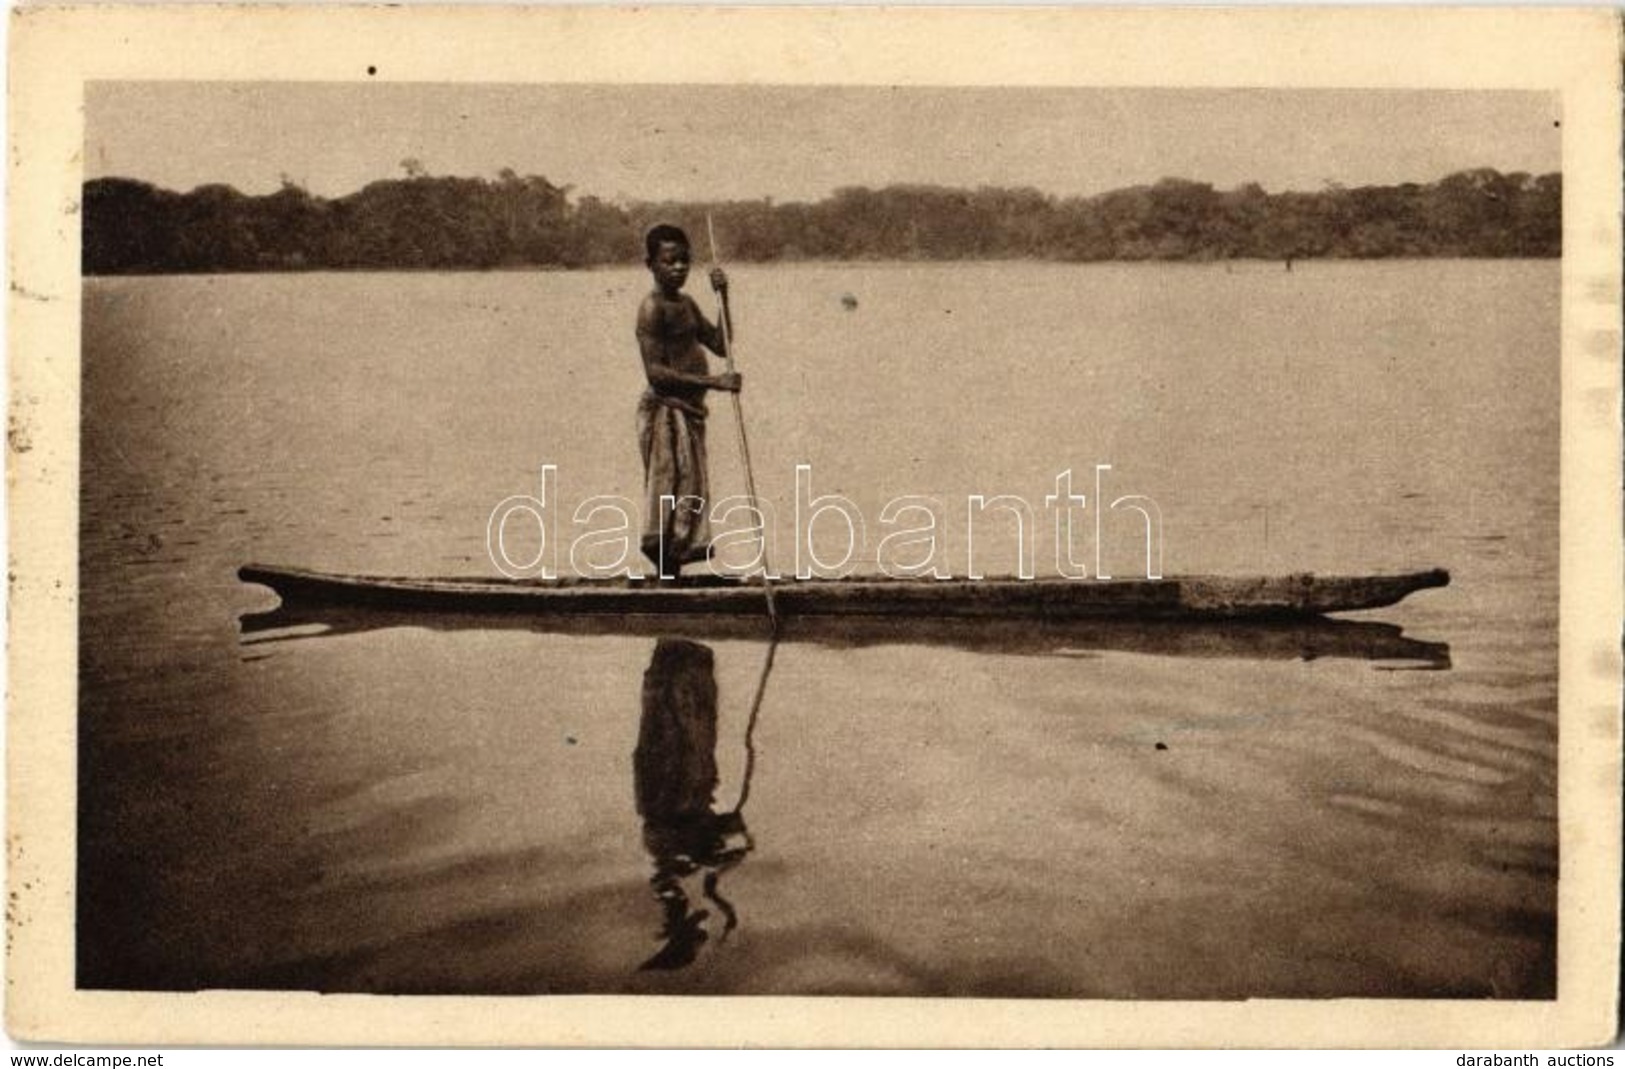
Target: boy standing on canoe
671 415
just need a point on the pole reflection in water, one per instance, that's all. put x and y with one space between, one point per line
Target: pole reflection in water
674 775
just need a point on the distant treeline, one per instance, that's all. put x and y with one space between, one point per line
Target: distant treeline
420 221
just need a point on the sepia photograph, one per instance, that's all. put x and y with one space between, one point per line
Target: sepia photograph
863 538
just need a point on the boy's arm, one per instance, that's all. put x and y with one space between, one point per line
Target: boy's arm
711 335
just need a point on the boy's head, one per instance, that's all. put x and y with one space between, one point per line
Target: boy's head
664 234
667 256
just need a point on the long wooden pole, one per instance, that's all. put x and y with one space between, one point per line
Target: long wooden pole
750 725
744 442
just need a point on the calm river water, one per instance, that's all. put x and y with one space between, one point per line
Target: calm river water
415 806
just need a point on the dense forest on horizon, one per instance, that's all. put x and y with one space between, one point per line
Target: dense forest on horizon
446 223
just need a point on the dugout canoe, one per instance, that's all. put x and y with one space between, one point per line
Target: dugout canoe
1188 598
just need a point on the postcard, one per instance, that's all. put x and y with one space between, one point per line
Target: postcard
850 526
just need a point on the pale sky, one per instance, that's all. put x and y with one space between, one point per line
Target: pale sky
800 143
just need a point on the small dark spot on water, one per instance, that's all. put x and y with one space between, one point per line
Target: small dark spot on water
1162 745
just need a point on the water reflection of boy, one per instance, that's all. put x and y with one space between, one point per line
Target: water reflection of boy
671 415
674 776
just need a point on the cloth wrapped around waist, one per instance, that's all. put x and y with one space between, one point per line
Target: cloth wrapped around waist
652 399
671 435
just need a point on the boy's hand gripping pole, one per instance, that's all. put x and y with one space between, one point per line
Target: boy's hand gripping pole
744 442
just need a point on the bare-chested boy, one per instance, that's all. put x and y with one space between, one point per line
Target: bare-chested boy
671 415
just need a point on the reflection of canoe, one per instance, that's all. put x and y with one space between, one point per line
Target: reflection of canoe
1309 638
1199 597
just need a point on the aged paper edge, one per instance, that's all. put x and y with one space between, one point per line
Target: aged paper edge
56 50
